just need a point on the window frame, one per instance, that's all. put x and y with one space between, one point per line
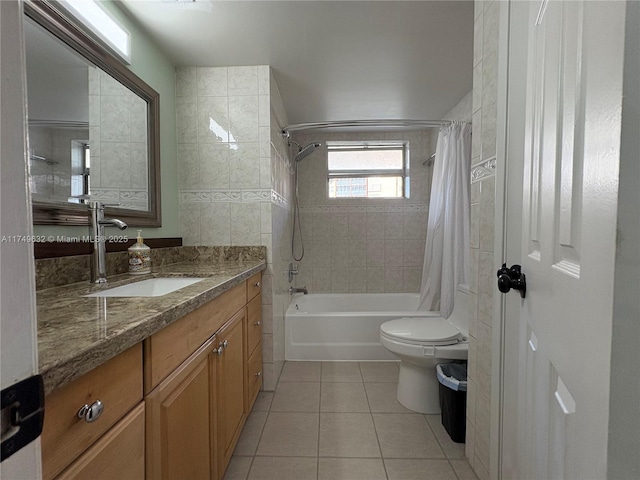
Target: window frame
370 145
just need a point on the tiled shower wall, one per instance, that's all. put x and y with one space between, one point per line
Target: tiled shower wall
281 216
51 179
362 245
482 286
234 176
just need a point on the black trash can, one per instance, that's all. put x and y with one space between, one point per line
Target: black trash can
453 398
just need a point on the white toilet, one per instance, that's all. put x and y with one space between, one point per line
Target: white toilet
422 343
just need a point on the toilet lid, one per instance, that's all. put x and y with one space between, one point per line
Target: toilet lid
422 330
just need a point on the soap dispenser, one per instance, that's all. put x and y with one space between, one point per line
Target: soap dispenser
139 257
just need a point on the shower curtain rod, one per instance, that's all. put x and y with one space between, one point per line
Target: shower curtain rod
393 123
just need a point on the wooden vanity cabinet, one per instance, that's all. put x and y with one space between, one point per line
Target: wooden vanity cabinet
199 376
117 384
197 402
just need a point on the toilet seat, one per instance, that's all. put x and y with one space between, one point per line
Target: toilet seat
432 331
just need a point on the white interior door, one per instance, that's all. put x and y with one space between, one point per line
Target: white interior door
18 352
563 141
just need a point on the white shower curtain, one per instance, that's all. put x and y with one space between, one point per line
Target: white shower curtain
446 255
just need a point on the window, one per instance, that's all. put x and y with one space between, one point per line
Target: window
367 169
102 23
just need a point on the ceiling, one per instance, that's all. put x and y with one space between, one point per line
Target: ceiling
332 60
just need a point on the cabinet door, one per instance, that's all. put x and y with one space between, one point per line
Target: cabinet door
179 422
117 454
254 376
254 323
231 384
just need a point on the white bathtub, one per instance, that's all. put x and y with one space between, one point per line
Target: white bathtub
336 326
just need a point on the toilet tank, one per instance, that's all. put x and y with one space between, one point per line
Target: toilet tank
461 314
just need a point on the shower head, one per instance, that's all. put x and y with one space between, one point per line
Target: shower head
305 151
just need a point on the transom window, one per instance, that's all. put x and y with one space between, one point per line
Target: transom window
367 169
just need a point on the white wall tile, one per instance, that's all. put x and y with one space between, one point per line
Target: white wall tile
186 123
214 166
245 224
265 218
393 279
243 118
412 279
264 73
477 39
339 256
243 80
190 224
393 253
264 111
486 215
114 118
375 253
357 280
212 81
322 280
215 224
243 159
213 120
339 280
375 280
339 225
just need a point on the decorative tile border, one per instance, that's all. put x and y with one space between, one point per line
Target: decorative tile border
226 196
264 195
134 195
483 170
370 209
279 200
234 196
103 194
195 196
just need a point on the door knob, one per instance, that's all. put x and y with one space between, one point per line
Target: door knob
513 277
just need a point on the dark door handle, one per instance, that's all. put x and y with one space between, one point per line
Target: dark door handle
513 277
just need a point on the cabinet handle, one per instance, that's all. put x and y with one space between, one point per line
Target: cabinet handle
258 323
221 347
259 374
257 284
90 413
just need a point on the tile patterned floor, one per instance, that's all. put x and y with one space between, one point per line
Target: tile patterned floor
341 421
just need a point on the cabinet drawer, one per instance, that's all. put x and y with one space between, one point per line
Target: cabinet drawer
254 323
254 375
118 454
254 285
116 383
167 349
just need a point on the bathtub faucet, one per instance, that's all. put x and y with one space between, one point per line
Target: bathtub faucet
293 290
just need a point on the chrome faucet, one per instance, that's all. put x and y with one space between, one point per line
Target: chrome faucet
98 222
293 290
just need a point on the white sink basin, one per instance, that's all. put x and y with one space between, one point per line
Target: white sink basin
153 287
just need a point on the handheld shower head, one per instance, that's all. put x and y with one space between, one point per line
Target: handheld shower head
305 151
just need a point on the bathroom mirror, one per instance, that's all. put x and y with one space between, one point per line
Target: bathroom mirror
93 126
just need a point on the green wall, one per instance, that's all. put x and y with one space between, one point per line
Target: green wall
152 65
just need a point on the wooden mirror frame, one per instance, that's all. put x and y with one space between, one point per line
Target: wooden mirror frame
62 26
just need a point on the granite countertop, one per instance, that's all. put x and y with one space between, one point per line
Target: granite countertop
77 334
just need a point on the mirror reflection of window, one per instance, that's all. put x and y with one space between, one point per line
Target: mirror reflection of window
79 169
